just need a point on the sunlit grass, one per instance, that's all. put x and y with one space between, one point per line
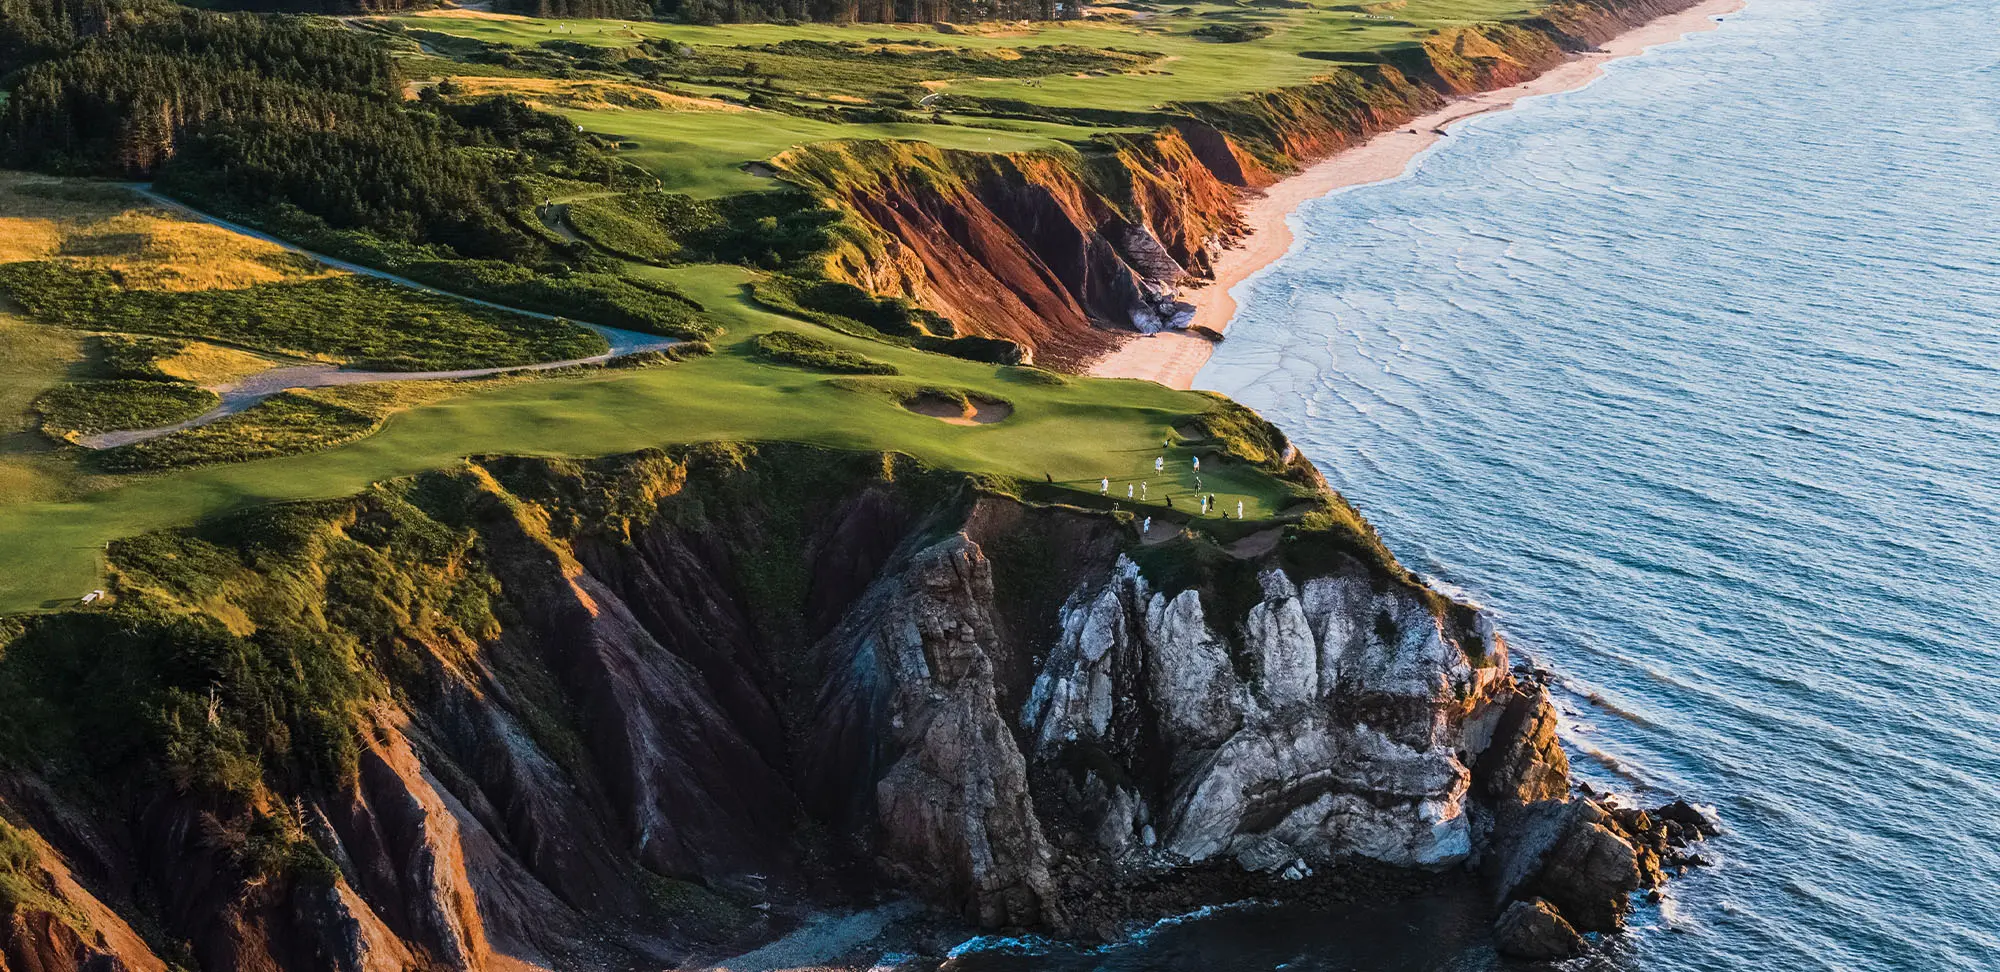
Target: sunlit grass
1072 432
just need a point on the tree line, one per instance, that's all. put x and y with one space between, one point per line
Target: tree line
246 111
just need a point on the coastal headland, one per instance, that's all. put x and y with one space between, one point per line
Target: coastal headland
595 484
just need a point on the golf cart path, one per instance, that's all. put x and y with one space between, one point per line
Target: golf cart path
242 393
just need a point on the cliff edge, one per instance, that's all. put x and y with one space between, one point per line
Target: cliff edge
627 712
1067 253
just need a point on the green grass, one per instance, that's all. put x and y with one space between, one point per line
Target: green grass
344 318
33 359
1071 432
87 407
1115 72
291 423
703 153
806 351
1200 68
619 226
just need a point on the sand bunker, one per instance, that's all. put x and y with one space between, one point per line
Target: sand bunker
972 411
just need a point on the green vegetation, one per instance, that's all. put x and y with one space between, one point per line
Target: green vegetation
353 319
137 358
286 424
710 154
766 229
1233 33
1179 63
600 296
618 172
237 662
1070 431
793 348
851 310
84 408
33 359
18 856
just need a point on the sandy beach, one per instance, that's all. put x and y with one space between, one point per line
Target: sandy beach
1172 357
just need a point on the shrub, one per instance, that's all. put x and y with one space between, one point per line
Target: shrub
304 420
793 348
84 408
607 298
1233 33
137 358
365 321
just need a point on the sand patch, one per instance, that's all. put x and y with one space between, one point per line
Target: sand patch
1256 545
971 411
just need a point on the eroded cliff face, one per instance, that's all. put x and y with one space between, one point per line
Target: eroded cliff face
1025 247
1066 254
547 714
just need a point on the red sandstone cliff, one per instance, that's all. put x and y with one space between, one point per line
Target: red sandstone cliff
1062 253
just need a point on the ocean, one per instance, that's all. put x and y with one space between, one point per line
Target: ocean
1693 377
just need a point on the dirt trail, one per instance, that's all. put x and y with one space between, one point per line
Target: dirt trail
242 393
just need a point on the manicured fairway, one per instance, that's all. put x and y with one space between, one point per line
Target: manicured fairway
703 152
1199 68
1074 433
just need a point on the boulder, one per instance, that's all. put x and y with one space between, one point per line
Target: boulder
1684 814
1534 930
1591 872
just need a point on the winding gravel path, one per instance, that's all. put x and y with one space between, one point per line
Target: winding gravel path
242 393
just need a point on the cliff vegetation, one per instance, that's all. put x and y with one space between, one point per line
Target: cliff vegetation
586 714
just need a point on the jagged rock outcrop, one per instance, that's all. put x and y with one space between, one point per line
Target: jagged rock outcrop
953 815
567 715
1534 930
1343 736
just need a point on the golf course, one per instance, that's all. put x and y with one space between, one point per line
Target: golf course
632 173
1070 430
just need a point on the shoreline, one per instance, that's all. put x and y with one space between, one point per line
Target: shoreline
1173 358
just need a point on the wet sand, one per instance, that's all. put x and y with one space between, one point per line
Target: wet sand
1173 357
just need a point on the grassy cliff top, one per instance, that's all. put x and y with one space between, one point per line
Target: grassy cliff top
1074 431
694 107
727 95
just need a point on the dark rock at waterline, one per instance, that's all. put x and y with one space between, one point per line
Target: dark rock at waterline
1591 871
1684 814
1534 930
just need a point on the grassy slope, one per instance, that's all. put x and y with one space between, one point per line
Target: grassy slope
1074 432
33 359
702 152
